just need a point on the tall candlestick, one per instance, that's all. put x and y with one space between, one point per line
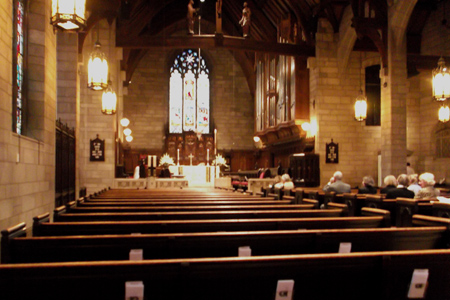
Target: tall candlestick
215 142
207 156
178 156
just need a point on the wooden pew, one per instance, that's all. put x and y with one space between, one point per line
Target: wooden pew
368 276
61 216
17 248
42 226
184 203
120 208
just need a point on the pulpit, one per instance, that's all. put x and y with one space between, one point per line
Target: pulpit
187 146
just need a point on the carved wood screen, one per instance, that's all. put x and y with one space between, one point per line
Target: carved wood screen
65 164
188 144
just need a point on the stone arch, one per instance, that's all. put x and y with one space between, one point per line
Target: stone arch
347 39
399 14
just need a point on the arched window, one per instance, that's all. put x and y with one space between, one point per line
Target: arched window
189 94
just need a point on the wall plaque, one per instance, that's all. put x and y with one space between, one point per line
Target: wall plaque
332 153
97 149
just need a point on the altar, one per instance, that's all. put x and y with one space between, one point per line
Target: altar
199 175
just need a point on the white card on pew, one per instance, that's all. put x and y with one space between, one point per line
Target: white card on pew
285 290
345 247
418 284
134 290
245 251
136 254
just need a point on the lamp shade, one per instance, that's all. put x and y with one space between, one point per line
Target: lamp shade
124 122
361 108
97 69
441 81
109 101
127 131
444 114
68 14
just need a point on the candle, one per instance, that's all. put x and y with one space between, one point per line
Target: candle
215 142
154 160
207 156
178 156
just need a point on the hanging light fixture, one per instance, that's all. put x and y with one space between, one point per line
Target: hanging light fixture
361 100
441 75
109 100
129 138
127 131
97 68
441 81
68 15
124 122
444 114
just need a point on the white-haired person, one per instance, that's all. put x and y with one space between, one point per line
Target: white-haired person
285 183
414 183
426 181
390 182
336 185
368 186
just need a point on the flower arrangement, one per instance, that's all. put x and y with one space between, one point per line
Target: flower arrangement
220 161
166 161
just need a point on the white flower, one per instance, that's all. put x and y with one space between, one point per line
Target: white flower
166 160
219 161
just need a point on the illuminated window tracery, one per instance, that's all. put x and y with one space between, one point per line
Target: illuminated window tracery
189 94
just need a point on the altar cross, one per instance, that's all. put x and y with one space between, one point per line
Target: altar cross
190 158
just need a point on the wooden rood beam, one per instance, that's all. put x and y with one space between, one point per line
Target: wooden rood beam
217 41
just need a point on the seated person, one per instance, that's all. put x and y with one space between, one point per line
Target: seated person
414 183
368 186
276 182
336 185
390 183
285 183
426 181
401 191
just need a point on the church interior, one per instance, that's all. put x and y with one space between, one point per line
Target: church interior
261 85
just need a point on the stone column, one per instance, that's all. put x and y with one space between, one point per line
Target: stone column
393 99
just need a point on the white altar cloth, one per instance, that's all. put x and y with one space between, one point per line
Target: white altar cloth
196 175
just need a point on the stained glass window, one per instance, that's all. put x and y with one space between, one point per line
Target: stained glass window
189 94
18 63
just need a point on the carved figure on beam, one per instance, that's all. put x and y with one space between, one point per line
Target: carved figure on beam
219 16
246 20
190 17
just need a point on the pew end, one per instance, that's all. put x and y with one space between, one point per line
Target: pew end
343 207
8 234
38 220
422 220
371 212
310 201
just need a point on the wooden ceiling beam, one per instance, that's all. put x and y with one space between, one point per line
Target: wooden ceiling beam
216 41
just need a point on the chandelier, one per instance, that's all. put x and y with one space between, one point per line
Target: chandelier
361 100
361 107
109 100
97 68
444 114
441 81
68 15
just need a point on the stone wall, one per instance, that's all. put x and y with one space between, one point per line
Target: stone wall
27 163
333 96
435 41
147 101
97 175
